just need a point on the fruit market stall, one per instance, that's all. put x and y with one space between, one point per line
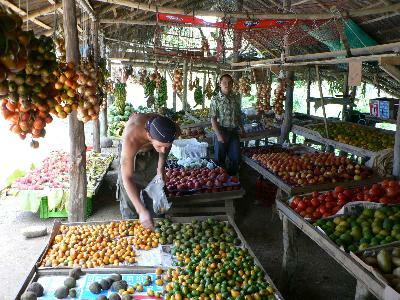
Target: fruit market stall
297 170
198 186
353 226
45 189
180 250
360 140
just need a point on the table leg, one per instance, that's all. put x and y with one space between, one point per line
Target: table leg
290 253
362 292
230 208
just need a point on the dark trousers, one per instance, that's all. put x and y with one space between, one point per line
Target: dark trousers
230 148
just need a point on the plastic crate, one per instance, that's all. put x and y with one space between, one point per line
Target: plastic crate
45 213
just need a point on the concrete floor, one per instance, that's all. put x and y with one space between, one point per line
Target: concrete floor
317 277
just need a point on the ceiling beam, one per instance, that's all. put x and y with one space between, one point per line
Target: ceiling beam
301 2
42 11
23 13
283 16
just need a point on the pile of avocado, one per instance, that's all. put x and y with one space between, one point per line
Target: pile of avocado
367 229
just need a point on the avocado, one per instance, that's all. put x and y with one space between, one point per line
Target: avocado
76 273
372 261
28 296
114 296
396 261
70 282
105 284
72 293
119 285
384 261
396 252
36 288
95 287
61 292
115 277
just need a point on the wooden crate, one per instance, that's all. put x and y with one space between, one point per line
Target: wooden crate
357 270
36 271
296 190
207 203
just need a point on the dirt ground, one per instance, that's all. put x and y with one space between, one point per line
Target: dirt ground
317 275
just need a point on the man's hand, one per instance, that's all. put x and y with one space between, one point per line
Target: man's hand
146 220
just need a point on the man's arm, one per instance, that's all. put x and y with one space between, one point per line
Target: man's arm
127 171
214 121
162 159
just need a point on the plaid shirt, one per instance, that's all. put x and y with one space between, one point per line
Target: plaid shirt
227 109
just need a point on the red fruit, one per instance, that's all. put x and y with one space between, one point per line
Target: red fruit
315 202
296 200
310 210
293 205
339 189
341 202
303 213
322 209
302 205
315 194
316 215
360 197
330 204
209 184
348 193
391 191
325 215
298 210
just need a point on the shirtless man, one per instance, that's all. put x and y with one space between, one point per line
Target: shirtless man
146 142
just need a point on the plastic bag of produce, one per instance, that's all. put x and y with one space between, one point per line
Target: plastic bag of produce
155 190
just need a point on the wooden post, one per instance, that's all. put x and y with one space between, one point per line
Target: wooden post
322 100
77 190
288 115
345 91
96 53
103 119
290 253
308 90
396 156
185 85
174 101
204 88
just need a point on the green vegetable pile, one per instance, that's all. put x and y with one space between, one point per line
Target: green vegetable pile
117 120
198 96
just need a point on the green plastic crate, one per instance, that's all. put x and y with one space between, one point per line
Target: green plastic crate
45 213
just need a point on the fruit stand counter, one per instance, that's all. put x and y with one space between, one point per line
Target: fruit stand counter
366 281
225 236
291 189
212 203
367 142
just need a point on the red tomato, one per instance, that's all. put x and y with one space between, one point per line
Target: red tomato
296 200
342 196
330 204
360 197
325 215
329 198
334 195
302 205
348 193
310 210
315 194
339 189
322 209
341 202
336 209
303 213
293 205
391 191
298 210
322 197
317 215
315 202
307 202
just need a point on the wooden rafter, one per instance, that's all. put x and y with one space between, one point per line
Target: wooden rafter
42 11
23 13
282 16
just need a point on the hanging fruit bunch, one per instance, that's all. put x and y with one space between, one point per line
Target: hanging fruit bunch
209 90
279 97
156 77
142 76
244 86
26 80
178 77
194 84
198 95
60 47
120 97
89 104
235 87
205 47
263 97
67 98
162 94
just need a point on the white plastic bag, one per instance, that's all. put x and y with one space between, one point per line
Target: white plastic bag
155 190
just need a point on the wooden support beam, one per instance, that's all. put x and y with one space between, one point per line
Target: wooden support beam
23 13
256 15
391 47
391 70
42 11
88 8
77 189
185 85
96 58
288 115
301 2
